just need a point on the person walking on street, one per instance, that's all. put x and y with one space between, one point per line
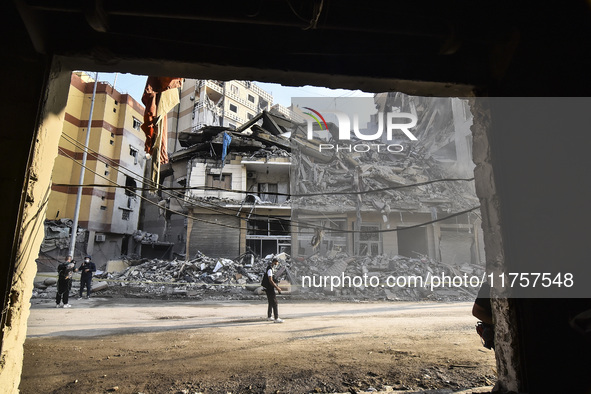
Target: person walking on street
86 269
269 284
64 283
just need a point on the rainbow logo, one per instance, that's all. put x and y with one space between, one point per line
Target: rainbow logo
316 119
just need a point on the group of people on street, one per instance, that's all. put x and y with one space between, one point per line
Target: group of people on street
481 308
64 282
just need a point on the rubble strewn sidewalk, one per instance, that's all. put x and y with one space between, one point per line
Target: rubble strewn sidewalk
204 277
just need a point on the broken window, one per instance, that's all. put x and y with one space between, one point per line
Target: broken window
269 227
268 192
133 152
269 236
223 181
130 186
412 242
369 241
333 236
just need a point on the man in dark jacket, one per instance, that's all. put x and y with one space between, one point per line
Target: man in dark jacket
269 284
64 283
86 269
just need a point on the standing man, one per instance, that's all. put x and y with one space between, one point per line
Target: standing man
64 283
269 284
86 269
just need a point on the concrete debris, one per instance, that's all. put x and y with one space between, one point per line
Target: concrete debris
354 172
206 277
144 237
386 269
99 286
57 235
258 138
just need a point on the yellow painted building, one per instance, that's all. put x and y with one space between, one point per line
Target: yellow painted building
115 158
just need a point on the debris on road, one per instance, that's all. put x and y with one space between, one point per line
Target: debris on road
206 277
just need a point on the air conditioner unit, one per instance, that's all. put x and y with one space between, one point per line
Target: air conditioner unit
251 174
100 238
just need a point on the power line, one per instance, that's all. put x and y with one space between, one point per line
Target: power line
226 210
325 193
331 230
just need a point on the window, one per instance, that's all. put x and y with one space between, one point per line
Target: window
133 152
249 116
266 236
369 241
233 108
115 110
268 192
270 227
106 172
251 98
116 102
130 186
223 181
124 214
136 124
103 207
232 126
111 142
112 135
234 89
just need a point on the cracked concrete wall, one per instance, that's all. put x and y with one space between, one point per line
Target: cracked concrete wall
506 346
30 231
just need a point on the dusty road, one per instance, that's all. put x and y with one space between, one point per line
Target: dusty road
152 346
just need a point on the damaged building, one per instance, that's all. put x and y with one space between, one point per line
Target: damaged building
205 193
226 184
226 190
369 202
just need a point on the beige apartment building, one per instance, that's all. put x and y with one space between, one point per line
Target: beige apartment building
115 159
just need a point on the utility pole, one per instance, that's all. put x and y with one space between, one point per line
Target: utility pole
82 170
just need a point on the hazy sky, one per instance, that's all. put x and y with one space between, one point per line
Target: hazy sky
134 85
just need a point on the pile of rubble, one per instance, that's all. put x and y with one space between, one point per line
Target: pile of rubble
388 175
192 277
386 277
206 277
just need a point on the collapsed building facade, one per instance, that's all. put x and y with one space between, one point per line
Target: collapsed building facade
227 190
368 201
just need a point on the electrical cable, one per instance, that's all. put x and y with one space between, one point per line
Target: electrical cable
331 230
227 211
306 224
